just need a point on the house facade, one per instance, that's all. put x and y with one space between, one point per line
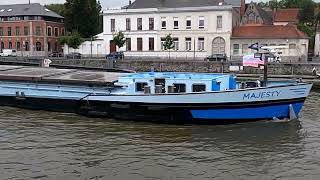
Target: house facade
198 28
269 28
31 29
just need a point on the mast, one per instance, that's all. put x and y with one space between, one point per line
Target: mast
265 69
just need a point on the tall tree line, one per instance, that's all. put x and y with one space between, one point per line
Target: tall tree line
82 16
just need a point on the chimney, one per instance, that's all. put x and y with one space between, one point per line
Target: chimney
242 7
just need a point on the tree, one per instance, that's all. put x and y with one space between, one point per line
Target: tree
118 39
83 16
74 40
168 43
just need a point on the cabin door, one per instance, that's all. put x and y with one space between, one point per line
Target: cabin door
162 83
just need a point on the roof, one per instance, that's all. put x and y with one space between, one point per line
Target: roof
34 9
268 32
286 15
265 15
140 4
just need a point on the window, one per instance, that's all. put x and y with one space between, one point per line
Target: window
179 88
38 46
9 31
176 44
1 31
175 23
38 30
26 45
2 46
219 22
236 49
26 30
56 32
62 31
245 49
151 44
188 44
128 44
198 87
49 46
10 45
292 46
139 24
17 31
163 40
151 23
139 44
49 29
201 22
140 86
163 23
200 44
128 24
113 25
188 23
18 46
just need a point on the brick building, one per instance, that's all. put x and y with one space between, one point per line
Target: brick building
31 29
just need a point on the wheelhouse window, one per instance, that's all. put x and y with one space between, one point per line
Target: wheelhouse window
198 87
140 86
179 88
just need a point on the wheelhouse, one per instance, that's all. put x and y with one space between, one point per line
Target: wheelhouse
169 82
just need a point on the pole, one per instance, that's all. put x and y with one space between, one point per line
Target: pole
91 48
265 70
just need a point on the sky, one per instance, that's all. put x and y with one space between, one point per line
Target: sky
105 3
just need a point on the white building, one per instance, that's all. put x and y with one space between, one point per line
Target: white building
199 28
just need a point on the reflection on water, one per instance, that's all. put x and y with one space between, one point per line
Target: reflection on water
46 145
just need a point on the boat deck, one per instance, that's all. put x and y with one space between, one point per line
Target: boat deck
52 75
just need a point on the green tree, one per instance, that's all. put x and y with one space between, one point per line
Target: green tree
168 43
119 39
57 8
83 16
74 40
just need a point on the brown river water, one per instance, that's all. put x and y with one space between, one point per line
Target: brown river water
47 145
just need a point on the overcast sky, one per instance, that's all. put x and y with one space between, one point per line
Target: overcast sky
105 3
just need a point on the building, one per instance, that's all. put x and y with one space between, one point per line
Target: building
31 29
199 28
269 28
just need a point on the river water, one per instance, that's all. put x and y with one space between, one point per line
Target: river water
47 145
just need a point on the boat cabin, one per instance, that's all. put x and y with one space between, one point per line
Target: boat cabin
169 82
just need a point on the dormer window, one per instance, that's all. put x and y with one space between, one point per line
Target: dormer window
2 10
9 10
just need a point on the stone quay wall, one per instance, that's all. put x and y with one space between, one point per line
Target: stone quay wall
215 67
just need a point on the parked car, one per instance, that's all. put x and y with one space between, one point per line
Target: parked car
216 57
115 55
8 52
55 54
73 55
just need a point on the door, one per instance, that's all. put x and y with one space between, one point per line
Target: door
113 46
218 45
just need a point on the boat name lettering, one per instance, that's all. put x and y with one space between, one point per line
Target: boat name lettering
261 95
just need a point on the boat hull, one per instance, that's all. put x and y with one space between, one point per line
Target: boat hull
213 107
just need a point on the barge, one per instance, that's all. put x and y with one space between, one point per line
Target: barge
153 96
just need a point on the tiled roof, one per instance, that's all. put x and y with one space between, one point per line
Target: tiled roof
34 9
140 4
265 15
286 15
268 32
